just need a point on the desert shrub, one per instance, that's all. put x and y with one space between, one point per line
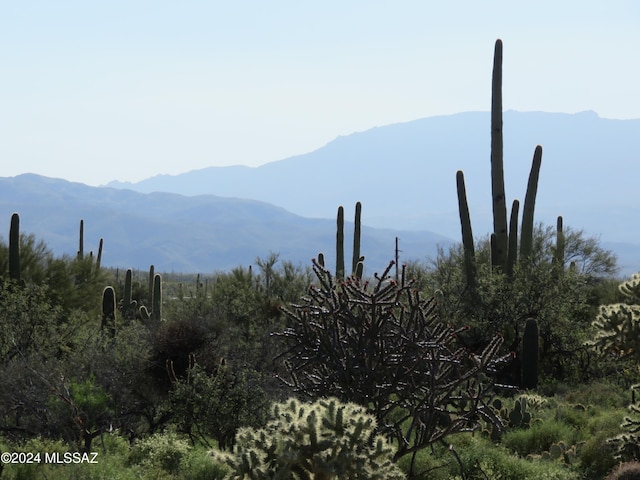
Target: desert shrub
199 465
481 459
214 405
538 437
161 452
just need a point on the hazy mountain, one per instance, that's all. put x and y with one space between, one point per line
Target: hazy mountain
185 234
404 174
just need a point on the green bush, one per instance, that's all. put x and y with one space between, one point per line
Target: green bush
538 438
481 459
159 452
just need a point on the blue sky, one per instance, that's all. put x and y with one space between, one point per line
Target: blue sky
98 91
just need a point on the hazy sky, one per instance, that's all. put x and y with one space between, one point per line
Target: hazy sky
97 91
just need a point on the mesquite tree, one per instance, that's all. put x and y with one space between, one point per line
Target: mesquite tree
381 345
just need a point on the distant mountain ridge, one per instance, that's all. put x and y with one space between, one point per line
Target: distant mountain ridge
198 234
404 174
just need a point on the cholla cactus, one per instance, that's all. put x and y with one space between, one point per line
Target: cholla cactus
324 440
379 343
618 324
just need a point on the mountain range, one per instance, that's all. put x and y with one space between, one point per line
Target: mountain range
186 234
404 175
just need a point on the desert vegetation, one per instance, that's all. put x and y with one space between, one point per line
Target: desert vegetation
509 356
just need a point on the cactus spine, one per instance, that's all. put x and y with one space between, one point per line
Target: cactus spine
530 354
14 248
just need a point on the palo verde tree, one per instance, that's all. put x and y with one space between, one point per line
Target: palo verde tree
380 344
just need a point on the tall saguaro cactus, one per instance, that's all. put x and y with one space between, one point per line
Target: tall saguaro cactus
499 250
340 243
504 238
81 241
14 248
357 233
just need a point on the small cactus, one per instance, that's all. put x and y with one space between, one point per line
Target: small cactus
519 417
14 248
156 301
109 310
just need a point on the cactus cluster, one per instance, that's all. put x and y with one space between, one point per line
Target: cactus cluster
508 250
504 239
357 260
80 253
324 440
15 266
128 306
518 416
560 452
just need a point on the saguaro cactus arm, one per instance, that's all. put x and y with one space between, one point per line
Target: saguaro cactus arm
526 234
467 233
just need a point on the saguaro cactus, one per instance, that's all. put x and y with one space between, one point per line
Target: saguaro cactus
81 241
530 354
357 260
129 305
156 301
99 256
499 251
14 248
558 255
340 243
109 310
504 243
357 233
